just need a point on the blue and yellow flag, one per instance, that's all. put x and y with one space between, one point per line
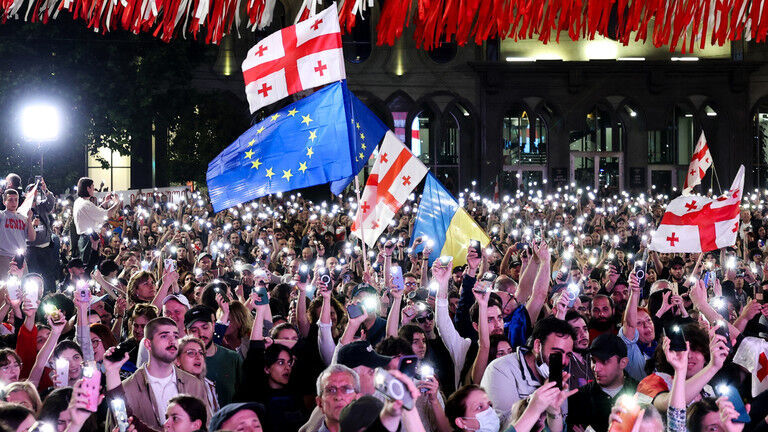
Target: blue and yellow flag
443 221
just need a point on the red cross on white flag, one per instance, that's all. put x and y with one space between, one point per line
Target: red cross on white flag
700 163
694 223
305 55
394 176
751 355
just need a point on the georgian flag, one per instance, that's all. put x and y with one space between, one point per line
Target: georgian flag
693 223
305 55
752 356
394 176
700 163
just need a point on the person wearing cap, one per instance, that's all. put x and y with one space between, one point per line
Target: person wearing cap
224 365
174 307
591 405
240 417
146 393
675 272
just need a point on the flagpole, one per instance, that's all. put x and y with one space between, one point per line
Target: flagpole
362 232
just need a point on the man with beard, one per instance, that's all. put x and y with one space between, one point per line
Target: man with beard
619 295
637 332
516 376
591 406
223 365
676 271
602 317
159 376
580 370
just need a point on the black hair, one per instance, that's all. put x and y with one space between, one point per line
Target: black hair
272 353
283 326
82 186
697 411
108 266
493 300
407 331
394 346
573 314
495 340
65 345
14 414
610 300
696 337
194 407
56 402
551 325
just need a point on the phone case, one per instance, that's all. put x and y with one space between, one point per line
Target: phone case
91 383
732 394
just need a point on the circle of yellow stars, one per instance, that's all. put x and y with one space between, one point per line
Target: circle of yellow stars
287 174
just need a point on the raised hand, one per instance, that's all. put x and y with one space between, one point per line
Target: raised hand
677 359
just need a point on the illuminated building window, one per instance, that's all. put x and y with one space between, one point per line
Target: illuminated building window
421 143
117 176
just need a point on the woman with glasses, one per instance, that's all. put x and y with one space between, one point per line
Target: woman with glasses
10 366
191 359
102 339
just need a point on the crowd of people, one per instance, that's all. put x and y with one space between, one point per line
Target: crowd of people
154 313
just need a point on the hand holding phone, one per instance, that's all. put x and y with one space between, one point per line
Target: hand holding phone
732 394
556 369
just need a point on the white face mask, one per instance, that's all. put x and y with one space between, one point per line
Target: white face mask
488 421
543 369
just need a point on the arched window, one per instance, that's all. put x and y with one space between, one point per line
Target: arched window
421 136
524 148
357 43
448 148
525 138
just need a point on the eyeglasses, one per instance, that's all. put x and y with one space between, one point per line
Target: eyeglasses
10 366
194 353
333 391
96 342
424 318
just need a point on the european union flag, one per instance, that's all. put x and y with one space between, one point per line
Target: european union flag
304 144
366 132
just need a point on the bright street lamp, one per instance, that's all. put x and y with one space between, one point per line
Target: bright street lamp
40 123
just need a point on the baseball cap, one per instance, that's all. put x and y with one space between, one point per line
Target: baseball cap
515 262
203 255
363 288
246 268
198 313
75 262
359 414
606 346
360 353
178 297
225 413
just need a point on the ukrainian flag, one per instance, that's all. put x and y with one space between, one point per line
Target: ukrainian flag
443 221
